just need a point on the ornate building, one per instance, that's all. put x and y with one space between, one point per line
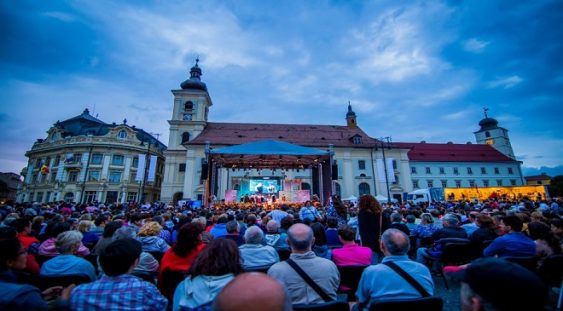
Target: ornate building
84 159
363 165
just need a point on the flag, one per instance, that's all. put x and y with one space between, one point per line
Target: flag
152 169
69 158
44 169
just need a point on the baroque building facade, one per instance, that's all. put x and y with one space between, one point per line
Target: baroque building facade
84 159
364 165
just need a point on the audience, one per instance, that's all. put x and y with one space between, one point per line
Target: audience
181 255
67 263
149 237
253 254
351 254
322 271
233 232
265 293
117 289
380 282
147 263
274 238
397 223
107 236
214 267
514 243
496 284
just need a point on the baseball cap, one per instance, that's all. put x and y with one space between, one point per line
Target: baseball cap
505 285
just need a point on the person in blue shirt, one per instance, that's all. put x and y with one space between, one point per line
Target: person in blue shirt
513 243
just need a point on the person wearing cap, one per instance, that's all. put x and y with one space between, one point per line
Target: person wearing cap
381 282
497 284
513 243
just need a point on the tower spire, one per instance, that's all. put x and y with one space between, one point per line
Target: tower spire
351 117
485 109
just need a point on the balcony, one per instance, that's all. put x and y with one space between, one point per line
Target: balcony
73 165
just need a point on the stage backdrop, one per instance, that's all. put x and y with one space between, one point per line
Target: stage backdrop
230 196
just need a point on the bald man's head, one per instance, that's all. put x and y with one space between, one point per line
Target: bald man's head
300 237
395 242
252 291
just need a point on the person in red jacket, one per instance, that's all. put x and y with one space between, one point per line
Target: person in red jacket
181 256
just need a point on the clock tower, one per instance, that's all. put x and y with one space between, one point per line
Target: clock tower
492 134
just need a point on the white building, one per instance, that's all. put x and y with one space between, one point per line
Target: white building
84 159
365 165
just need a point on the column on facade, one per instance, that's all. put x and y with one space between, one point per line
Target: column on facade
190 174
223 182
348 188
125 179
381 184
405 173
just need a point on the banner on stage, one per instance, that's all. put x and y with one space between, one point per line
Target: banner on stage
230 196
303 196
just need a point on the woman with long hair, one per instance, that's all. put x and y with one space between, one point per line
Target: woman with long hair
372 221
181 255
212 270
338 210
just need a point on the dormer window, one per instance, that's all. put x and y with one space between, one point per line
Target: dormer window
122 134
357 140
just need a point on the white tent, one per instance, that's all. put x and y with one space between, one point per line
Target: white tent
382 198
351 198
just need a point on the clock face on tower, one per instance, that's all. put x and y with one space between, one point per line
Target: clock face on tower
187 117
490 141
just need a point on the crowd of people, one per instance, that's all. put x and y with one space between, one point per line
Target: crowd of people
159 257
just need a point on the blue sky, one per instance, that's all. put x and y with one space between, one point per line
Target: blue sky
413 70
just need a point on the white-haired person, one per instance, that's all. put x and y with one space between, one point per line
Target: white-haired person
67 263
253 254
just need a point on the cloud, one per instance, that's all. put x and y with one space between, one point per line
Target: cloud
505 83
457 115
474 45
401 43
61 16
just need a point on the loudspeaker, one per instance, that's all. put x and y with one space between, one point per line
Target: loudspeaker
334 172
204 169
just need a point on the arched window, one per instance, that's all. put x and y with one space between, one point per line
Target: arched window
487 134
305 186
188 105
337 189
185 137
122 134
363 189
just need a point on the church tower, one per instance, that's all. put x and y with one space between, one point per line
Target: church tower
492 134
191 109
351 117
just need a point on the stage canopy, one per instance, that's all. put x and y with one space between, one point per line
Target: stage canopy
269 154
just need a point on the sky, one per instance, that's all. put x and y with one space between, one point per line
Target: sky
412 70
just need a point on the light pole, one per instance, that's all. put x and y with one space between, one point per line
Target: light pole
385 142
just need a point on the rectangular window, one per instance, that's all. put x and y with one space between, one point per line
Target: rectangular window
182 167
428 171
38 163
483 171
57 160
131 196
97 158
39 197
394 164
117 159
48 196
430 183
497 171
442 170
77 158
135 162
469 171
499 182
485 182
361 164
458 183
472 183
90 196
456 171
513 182
444 183
93 176
115 177
413 169
72 176
510 171
415 183
34 178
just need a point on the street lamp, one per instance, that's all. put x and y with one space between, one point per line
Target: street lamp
385 143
